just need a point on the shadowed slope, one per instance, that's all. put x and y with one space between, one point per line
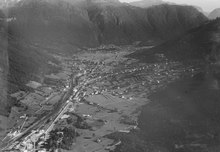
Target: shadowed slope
202 42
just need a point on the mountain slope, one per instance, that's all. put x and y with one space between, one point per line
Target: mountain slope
201 10
202 42
51 22
214 14
146 3
124 24
4 68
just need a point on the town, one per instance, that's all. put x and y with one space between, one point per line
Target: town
96 92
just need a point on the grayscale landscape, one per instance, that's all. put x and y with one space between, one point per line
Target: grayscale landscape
109 76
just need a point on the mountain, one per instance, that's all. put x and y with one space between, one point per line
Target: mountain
214 14
202 43
146 3
93 22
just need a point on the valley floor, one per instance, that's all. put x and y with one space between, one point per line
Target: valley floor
106 98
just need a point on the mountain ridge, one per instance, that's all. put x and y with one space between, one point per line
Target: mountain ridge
119 24
214 14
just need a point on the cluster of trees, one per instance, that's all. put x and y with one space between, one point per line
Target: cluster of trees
61 139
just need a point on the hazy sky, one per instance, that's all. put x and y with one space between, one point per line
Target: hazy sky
206 5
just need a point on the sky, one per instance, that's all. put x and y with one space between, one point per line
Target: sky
206 5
